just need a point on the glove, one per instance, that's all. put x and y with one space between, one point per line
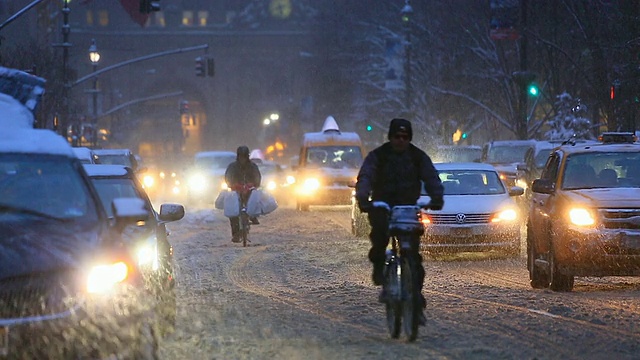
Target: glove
364 205
436 204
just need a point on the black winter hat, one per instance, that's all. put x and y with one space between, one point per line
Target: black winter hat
398 125
243 151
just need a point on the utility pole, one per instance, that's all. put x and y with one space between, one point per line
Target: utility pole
522 121
64 110
406 13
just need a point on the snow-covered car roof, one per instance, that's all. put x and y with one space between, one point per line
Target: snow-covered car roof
214 153
94 170
34 141
599 147
112 151
512 142
83 153
464 166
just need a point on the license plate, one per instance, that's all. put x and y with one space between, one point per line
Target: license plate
460 232
4 340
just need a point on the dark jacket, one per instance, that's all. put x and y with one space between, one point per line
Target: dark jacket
395 177
238 174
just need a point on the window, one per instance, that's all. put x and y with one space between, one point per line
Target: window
203 16
103 17
187 18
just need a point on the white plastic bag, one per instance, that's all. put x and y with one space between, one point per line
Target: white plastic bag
253 204
219 203
232 204
268 203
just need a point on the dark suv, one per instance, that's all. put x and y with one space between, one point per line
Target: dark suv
68 286
583 219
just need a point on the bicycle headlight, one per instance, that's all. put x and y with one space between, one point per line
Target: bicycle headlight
102 278
581 217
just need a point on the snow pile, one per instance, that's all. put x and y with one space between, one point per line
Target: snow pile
20 93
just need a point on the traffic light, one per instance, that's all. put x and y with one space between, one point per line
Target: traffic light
532 89
464 135
149 6
200 67
369 127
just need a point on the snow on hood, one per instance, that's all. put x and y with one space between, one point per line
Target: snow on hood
14 114
609 197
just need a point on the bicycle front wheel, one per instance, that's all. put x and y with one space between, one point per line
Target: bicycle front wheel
244 229
393 307
411 305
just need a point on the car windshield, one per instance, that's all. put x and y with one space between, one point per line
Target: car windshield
215 162
116 160
112 188
507 154
541 158
602 170
269 169
336 157
471 182
47 185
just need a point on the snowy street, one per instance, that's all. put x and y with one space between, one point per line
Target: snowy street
302 290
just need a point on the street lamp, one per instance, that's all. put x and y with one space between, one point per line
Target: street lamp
406 13
94 57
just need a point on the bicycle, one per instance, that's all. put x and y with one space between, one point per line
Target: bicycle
401 281
244 192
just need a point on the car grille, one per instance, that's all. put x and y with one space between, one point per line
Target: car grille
37 294
456 218
620 218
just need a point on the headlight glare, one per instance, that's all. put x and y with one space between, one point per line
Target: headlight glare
103 278
271 185
505 215
310 185
148 181
198 182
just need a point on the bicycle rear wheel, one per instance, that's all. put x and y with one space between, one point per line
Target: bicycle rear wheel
411 305
393 306
244 228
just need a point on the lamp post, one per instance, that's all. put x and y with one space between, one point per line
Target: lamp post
94 57
406 13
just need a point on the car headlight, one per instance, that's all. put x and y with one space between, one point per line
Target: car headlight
224 186
271 185
102 278
505 215
310 185
148 181
198 182
290 179
581 217
522 183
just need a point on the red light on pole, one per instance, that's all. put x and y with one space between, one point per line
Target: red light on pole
612 92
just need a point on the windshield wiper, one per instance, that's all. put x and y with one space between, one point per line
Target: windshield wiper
11 208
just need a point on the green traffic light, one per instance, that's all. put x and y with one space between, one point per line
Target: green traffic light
369 127
463 136
533 90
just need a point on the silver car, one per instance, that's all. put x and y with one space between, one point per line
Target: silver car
479 212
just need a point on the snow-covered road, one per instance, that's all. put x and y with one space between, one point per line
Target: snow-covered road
302 290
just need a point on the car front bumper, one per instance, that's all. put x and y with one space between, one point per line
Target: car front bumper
598 252
93 328
326 195
478 237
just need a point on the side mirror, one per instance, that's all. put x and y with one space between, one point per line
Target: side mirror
516 191
171 212
543 186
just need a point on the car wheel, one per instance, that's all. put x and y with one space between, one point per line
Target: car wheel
166 312
539 279
557 280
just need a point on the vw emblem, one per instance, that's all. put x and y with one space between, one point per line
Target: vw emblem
461 218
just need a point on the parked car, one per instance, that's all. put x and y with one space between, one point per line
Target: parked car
68 288
118 157
584 213
479 213
148 239
86 155
206 177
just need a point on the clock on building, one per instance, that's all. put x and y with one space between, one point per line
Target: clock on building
280 8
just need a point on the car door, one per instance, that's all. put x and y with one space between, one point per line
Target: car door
542 204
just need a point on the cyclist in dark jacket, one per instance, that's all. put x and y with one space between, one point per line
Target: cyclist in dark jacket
393 173
242 175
